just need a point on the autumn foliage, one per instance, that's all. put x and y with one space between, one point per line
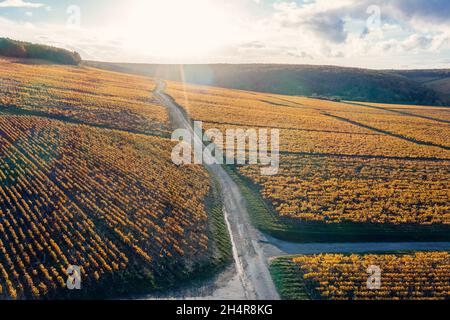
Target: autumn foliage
110 202
340 162
82 95
422 275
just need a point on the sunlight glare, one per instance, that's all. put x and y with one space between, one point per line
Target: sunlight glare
178 28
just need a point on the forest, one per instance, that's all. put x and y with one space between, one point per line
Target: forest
20 49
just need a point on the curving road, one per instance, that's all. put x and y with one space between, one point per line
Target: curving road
249 277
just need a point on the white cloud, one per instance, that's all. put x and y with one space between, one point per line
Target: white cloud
20 4
330 30
417 42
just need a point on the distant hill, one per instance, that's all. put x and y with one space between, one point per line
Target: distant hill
385 86
20 49
438 79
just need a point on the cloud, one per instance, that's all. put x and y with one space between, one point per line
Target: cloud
361 28
431 10
417 42
319 18
253 45
20 4
301 55
327 19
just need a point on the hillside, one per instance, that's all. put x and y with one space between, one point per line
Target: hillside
86 179
82 95
438 80
347 171
307 80
19 49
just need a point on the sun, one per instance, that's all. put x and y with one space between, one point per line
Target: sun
177 28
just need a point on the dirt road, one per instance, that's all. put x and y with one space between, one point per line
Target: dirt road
251 265
249 277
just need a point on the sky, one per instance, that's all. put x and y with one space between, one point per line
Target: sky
378 34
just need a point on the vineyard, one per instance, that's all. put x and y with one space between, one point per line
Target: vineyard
410 276
315 126
349 171
86 179
74 195
82 95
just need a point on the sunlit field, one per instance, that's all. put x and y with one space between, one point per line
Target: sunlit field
346 168
74 192
407 276
82 95
217 150
87 179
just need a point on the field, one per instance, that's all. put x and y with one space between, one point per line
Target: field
87 179
349 172
82 95
76 191
404 276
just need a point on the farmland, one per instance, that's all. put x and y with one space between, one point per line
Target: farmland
348 171
82 95
87 179
74 190
404 276
163 152
72 195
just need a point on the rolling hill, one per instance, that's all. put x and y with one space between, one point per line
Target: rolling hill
87 180
420 87
438 80
384 86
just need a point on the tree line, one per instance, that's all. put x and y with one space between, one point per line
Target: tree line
20 49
